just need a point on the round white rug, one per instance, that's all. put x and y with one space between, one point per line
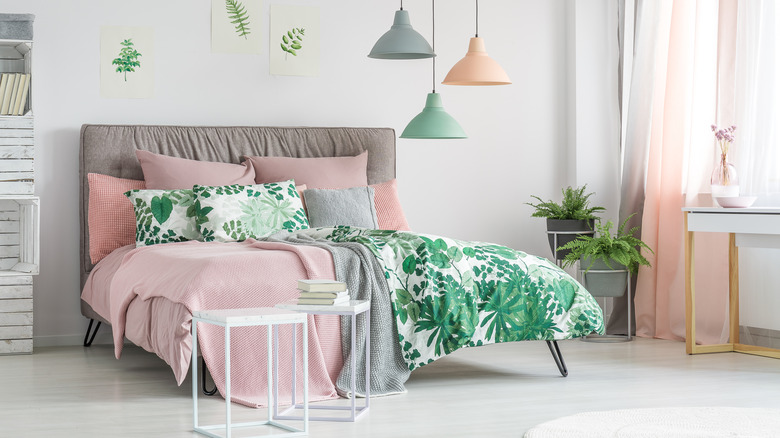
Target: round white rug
665 423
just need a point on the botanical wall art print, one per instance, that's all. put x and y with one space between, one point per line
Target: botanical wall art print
294 41
126 62
236 26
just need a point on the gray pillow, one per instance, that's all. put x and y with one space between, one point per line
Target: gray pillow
332 207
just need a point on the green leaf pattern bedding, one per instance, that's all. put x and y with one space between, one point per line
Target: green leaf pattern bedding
448 294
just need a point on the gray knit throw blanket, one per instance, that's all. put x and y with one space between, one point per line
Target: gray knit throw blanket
364 276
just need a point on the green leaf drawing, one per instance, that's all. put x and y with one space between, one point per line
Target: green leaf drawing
292 41
238 17
161 208
128 58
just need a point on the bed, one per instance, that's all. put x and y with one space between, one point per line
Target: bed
389 267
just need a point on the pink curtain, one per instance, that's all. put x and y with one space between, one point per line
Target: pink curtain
679 151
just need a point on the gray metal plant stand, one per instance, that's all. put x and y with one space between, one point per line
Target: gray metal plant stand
610 338
582 278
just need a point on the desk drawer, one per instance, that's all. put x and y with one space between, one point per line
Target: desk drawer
748 223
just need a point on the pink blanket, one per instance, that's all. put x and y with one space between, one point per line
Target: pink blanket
200 276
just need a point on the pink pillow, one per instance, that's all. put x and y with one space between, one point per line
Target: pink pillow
316 173
300 190
389 214
164 172
111 218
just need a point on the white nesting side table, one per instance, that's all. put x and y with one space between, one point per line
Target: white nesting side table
261 316
351 309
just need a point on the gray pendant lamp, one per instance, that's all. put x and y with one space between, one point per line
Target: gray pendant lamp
401 41
477 68
433 122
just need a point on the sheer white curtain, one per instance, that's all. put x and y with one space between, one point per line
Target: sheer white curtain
757 99
687 53
668 145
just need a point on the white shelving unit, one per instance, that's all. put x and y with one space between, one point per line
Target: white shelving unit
19 211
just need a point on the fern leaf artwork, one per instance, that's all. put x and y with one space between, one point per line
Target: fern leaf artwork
238 17
292 41
127 60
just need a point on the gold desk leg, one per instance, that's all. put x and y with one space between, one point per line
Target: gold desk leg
690 310
733 290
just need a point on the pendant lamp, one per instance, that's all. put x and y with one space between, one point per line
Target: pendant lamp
433 122
476 68
401 41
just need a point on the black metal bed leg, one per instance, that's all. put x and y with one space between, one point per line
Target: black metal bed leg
203 370
87 338
558 357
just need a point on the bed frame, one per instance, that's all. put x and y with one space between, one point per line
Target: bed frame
110 150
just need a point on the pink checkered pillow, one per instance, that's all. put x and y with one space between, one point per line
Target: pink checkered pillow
389 214
111 217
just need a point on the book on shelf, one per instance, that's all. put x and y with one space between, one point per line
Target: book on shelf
324 295
7 93
12 101
3 83
322 285
324 301
25 95
21 95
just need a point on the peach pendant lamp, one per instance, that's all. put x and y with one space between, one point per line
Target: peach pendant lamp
477 68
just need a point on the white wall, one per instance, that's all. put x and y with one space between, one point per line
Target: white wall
594 127
469 189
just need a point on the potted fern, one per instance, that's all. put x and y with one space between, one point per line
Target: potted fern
572 214
606 251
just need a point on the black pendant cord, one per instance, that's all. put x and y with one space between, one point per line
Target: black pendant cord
433 38
476 34
402 5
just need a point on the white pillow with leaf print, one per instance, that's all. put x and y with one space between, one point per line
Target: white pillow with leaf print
235 213
163 216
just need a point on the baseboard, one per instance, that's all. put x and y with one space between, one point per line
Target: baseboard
759 336
103 337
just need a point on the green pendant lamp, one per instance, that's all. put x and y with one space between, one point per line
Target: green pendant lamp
433 122
477 68
401 41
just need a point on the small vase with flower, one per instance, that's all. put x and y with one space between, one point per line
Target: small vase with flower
724 181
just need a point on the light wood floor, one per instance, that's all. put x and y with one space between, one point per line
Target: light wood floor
496 390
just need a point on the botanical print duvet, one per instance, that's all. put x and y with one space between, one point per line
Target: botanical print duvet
447 294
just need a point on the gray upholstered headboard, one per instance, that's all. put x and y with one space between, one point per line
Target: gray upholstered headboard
110 150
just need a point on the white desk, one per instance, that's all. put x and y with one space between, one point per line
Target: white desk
747 227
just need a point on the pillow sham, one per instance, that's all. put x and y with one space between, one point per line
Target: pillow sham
389 214
316 173
164 172
163 216
329 208
235 212
110 216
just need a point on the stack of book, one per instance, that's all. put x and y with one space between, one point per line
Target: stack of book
322 292
13 93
